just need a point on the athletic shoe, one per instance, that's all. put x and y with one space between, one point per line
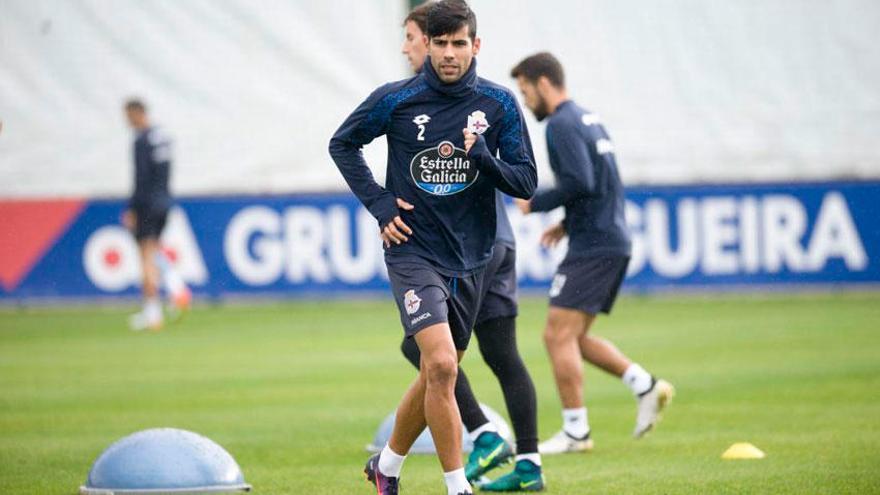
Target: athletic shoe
651 404
562 443
525 477
141 321
179 304
490 451
385 485
183 299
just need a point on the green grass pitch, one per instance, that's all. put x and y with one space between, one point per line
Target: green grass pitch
294 391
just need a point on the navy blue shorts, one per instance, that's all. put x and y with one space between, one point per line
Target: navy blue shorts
149 223
499 286
424 297
589 284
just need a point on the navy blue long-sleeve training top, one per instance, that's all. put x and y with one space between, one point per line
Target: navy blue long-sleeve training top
152 169
588 184
454 219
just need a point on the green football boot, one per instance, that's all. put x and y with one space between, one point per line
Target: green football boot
525 477
490 451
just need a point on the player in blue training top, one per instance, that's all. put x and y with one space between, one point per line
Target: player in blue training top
588 186
495 330
146 215
453 139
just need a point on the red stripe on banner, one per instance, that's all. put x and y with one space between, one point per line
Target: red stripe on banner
27 230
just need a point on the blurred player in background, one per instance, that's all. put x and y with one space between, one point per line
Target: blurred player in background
587 281
415 41
495 330
453 138
146 215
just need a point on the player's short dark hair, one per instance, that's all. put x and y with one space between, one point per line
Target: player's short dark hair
540 64
448 16
135 104
419 15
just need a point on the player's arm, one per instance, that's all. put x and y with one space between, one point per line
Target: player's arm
359 129
140 194
553 234
514 171
575 174
140 191
161 149
129 219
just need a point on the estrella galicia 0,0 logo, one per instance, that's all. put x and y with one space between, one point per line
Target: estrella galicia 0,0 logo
443 170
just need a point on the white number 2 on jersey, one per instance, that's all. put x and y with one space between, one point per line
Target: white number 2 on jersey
420 122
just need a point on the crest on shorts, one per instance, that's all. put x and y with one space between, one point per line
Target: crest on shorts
411 301
477 122
558 284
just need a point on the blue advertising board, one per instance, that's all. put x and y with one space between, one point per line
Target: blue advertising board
320 245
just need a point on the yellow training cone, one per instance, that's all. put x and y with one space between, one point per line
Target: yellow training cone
743 450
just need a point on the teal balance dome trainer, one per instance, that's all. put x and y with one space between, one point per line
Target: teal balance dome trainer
164 460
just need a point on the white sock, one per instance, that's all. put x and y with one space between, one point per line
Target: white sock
390 462
637 379
456 482
153 309
535 458
574 422
172 280
489 426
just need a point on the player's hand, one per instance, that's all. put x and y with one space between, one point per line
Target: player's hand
397 230
524 205
469 139
129 219
551 237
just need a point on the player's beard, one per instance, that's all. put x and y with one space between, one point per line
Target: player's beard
541 110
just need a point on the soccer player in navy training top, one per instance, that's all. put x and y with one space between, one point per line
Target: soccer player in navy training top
453 139
146 215
495 330
588 186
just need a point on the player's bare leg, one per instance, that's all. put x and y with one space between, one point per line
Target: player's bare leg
430 401
440 367
413 422
148 249
652 395
179 295
602 354
150 317
383 469
564 329
410 420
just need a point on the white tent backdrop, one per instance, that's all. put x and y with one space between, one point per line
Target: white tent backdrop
711 90
250 90
691 90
